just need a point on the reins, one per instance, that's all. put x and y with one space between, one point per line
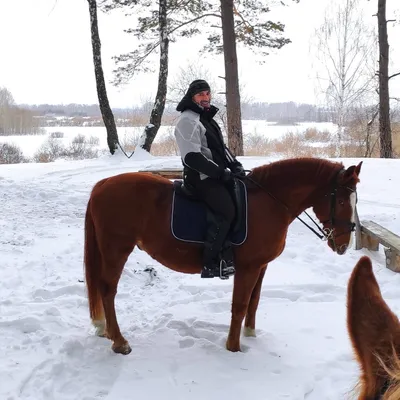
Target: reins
323 234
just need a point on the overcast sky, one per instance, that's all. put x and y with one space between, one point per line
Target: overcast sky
46 54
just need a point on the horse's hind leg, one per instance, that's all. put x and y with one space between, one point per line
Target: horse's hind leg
113 264
250 321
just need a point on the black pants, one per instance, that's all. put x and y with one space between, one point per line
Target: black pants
218 198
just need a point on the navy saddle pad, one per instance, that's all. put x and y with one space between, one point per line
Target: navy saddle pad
189 217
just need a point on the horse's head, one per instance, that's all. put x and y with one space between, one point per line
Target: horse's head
336 208
375 335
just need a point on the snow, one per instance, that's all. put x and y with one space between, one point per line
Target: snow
29 144
177 324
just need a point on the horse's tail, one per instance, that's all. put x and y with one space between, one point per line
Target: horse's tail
92 260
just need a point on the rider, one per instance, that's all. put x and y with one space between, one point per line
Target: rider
208 166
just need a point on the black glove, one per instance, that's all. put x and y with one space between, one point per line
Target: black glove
226 175
238 170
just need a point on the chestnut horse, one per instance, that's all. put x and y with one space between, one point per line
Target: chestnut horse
134 209
375 335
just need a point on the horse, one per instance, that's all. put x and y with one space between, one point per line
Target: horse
134 209
374 332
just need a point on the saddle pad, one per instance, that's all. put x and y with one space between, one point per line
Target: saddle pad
189 219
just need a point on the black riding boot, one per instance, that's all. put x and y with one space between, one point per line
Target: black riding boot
213 264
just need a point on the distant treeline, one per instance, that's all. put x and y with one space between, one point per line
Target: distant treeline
16 120
288 112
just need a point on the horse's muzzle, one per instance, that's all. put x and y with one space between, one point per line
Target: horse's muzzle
342 249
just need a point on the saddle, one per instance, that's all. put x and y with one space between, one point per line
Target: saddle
189 214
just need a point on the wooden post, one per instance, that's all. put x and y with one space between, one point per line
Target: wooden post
363 240
392 260
358 245
369 242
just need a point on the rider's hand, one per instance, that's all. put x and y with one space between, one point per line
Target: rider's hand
238 170
226 175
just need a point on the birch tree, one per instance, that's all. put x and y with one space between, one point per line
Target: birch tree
346 50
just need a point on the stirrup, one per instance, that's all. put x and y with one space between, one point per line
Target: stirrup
225 270
221 270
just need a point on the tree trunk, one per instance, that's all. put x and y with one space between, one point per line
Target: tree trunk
152 128
385 133
234 118
106 112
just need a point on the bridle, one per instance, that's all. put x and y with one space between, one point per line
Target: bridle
333 221
325 234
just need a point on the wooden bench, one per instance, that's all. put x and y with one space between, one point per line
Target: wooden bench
369 235
169 173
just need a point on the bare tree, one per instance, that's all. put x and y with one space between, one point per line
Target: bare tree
6 98
16 120
346 53
106 112
195 70
188 73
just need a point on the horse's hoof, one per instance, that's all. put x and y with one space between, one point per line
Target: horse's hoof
100 326
249 332
234 349
123 349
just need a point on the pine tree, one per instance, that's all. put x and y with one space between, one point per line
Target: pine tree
174 19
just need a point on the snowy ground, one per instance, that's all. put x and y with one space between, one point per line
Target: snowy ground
176 324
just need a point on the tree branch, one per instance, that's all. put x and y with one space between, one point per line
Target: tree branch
371 121
390 20
392 76
193 20
249 27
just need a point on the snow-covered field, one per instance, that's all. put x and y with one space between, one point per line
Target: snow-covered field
30 144
176 324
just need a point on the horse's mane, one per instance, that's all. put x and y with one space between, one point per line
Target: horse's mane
374 332
393 392
298 169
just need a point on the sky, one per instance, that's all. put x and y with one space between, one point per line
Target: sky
46 55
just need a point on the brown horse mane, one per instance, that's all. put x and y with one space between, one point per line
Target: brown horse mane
298 169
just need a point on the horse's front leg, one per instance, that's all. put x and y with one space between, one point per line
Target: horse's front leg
250 322
244 283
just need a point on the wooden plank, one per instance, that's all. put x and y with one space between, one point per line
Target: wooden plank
170 173
385 237
369 235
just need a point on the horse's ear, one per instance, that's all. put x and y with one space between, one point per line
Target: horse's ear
373 328
351 174
358 168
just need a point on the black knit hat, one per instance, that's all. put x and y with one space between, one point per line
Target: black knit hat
197 86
